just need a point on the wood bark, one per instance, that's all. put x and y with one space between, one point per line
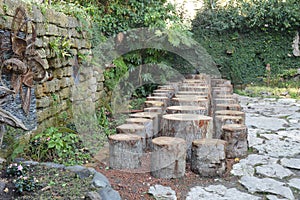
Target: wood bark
208 157
154 116
221 120
236 137
125 151
187 126
168 159
236 107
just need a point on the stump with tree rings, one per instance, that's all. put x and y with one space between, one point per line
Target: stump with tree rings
232 113
208 157
192 102
221 120
216 82
191 96
154 104
165 100
154 116
187 126
125 151
194 88
187 109
192 93
221 92
168 159
154 109
224 101
134 128
236 137
166 94
236 107
148 129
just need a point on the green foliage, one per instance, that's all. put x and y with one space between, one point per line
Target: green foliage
60 145
242 15
22 181
25 183
61 47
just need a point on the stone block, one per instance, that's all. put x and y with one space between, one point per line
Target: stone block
52 29
12 5
65 93
37 15
56 18
100 86
39 42
72 22
68 71
43 102
66 81
58 73
42 52
40 29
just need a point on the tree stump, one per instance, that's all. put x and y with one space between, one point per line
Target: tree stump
191 96
154 109
165 94
192 93
236 107
168 159
194 88
216 82
187 110
192 101
187 126
155 104
148 128
208 157
221 92
231 113
221 120
125 151
135 129
236 137
227 88
170 91
224 101
154 116
165 100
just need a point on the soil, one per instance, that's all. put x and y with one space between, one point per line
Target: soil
134 184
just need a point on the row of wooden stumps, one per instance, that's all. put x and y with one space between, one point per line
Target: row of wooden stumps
197 120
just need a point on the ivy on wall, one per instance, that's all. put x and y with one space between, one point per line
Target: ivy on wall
244 36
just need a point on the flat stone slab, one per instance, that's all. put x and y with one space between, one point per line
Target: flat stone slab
268 185
246 166
295 183
292 163
218 192
266 123
160 192
273 170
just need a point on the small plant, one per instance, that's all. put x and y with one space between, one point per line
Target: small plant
60 145
15 169
25 183
61 47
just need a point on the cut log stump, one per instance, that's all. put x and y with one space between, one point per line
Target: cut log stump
208 157
154 109
134 128
187 110
236 137
221 120
165 100
154 116
188 127
168 159
228 107
148 130
232 113
125 151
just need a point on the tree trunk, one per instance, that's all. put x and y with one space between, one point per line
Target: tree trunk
187 126
125 151
168 158
208 157
236 137
221 120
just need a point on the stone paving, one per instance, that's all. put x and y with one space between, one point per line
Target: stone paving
273 170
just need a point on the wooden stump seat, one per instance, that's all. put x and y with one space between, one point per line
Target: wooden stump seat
236 137
208 157
187 109
125 151
221 120
168 158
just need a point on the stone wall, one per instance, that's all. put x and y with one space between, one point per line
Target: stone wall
54 95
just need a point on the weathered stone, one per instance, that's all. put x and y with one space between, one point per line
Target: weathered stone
269 185
273 170
12 5
162 193
37 15
65 82
2 186
43 102
100 181
266 123
93 196
109 194
295 183
273 197
40 29
53 165
242 169
65 93
291 163
218 192
72 22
